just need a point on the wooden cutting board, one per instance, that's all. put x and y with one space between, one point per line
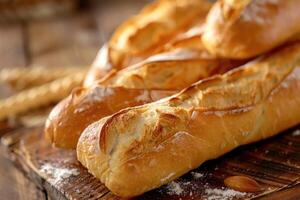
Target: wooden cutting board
273 163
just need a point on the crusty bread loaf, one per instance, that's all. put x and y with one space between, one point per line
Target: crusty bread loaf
240 29
171 70
175 58
144 147
161 74
155 25
148 33
86 105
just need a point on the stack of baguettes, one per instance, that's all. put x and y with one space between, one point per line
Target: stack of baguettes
163 97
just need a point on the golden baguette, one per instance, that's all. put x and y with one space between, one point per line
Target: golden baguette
171 70
86 105
189 40
171 63
39 96
148 33
22 78
157 22
240 29
141 148
161 74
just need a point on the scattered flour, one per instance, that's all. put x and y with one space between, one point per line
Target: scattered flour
174 188
181 188
223 194
197 175
57 173
187 188
296 133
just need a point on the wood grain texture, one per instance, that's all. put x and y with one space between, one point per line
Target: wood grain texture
14 185
274 164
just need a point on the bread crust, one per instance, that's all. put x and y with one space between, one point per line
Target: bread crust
171 70
84 106
159 22
163 22
160 75
144 147
240 29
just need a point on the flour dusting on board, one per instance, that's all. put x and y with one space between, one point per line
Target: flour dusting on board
197 175
296 132
174 188
57 173
223 194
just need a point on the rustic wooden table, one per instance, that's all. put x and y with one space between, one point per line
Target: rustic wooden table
71 40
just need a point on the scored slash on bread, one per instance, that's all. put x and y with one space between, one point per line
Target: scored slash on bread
144 147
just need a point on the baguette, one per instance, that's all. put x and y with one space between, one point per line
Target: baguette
160 22
160 75
171 70
86 105
141 148
230 23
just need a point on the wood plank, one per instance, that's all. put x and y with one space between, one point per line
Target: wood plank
274 164
14 185
11 46
65 41
289 193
